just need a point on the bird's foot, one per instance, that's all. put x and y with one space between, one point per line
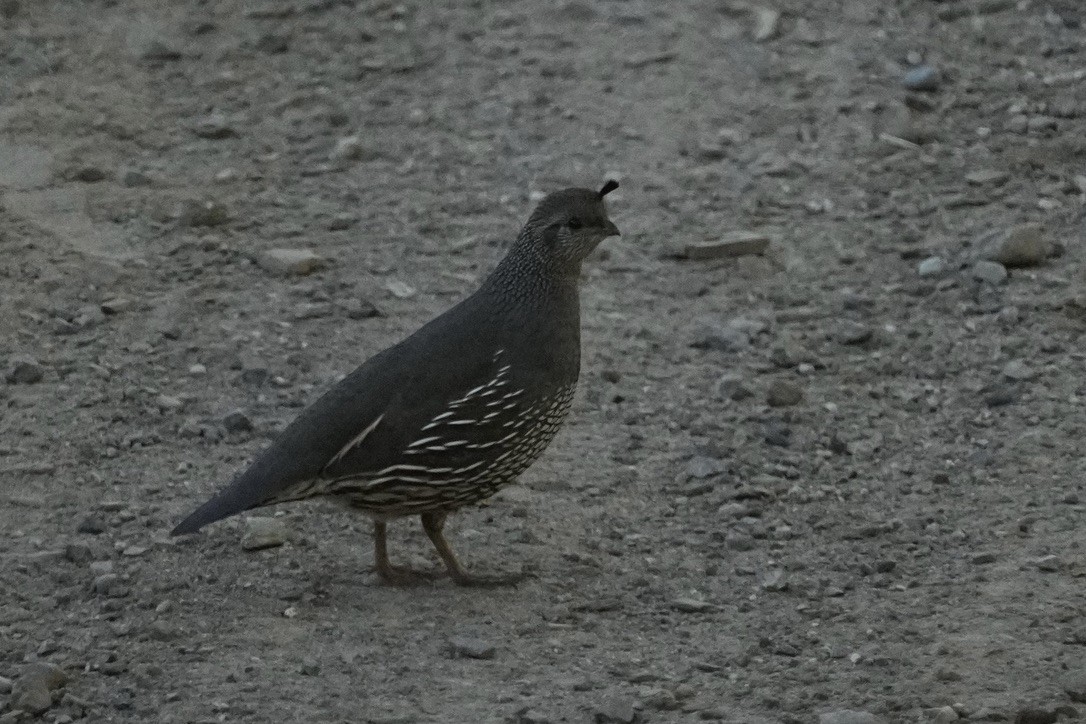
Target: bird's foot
488 581
404 576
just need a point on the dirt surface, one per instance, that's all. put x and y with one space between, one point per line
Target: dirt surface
840 475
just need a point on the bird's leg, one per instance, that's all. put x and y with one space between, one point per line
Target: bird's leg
433 524
390 574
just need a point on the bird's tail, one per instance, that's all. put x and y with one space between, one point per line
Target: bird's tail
215 509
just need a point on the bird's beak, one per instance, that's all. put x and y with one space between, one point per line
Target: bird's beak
611 229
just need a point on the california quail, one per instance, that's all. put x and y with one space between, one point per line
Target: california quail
455 411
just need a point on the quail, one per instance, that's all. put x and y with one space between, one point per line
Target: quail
455 411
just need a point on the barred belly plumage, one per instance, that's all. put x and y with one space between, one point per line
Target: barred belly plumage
406 489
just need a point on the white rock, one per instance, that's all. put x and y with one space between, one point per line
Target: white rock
933 266
990 272
291 261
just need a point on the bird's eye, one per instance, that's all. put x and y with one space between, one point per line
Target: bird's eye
574 223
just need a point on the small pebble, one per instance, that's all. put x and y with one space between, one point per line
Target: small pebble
467 647
783 394
933 266
615 710
298 262
115 305
702 466
237 421
987 177
1074 684
944 715
92 524
214 127
1020 246
1000 395
989 272
349 148
133 178
399 289
201 214
738 243
854 333
922 78
848 716
692 605
767 23
1017 370
733 387
261 533
23 370
1032 715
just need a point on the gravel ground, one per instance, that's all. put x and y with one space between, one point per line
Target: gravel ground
839 479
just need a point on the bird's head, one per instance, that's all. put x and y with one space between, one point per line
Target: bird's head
567 225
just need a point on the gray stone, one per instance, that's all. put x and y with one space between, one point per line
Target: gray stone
1074 684
214 127
692 605
738 243
1033 715
350 148
531 716
782 393
115 305
767 23
469 647
854 333
92 524
361 309
711 333
989 272
1020 246
400 289
733 387
702 466
33 699
237 421
1018 123
32 691
615 710
933 266
778 434
78 553
848 716
985 177
100 568
999 395
133 178
300 262
5 685
944 715
157 49
110 585
738 541
261 533
201 214
273 43
86 173
922 78
23 370
1017 370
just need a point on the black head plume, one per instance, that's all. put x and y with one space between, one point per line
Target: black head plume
608 187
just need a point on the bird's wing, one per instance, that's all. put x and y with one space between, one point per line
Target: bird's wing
434 429
366 418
